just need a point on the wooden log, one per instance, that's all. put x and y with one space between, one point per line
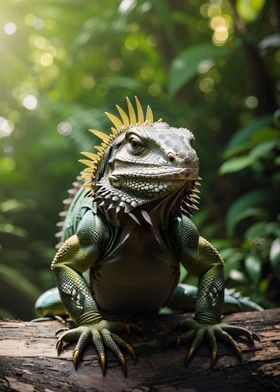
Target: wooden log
29 363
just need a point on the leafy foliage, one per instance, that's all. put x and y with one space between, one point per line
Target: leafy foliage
212 66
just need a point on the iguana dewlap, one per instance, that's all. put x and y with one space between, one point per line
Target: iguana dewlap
129 225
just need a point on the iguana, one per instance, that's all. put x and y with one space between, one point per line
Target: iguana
129 225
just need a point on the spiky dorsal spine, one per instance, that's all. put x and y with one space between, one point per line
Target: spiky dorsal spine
120 124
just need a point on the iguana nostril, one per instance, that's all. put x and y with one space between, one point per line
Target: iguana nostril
171 157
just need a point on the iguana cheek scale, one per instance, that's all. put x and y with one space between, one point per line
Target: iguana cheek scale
129 225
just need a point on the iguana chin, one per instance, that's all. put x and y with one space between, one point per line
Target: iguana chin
129 225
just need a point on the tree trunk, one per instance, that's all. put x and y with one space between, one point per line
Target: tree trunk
28 360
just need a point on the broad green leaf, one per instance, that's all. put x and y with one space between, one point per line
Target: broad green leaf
237 275
274 255
184 66
249 9
242 148
271 41
258 136
263 149
9 228
263 230
253 267
235 164
18 281
252 212
254 198
244 134
265 135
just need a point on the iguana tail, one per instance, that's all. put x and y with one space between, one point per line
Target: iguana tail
49 303
185 300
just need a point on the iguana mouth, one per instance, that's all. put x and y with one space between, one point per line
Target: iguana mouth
156 173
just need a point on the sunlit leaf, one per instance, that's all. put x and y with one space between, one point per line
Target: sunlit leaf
263 229
263 150
271 41
185 66
232 258
249 9
253 267
249 200
274 255
12 229
237 275
235 164
18 281
11 205
244 134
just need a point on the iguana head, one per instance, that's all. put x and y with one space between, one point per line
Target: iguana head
143 163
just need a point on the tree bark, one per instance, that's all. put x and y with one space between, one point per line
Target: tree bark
28 360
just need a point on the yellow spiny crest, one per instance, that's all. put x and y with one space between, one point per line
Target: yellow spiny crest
127 120
103 136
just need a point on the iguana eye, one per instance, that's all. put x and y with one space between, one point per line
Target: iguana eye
136 143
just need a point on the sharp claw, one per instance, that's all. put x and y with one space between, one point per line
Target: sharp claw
58 347
102 361
131 352
123 365
75 358
256 337
60 330
239 354
60 319
213 358
189 357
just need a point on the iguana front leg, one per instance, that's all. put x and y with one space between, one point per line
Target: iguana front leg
77 255
202 260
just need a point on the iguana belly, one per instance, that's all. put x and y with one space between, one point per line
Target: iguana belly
138 277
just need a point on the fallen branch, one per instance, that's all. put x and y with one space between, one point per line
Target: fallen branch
28 360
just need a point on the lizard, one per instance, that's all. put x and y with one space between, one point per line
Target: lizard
128 226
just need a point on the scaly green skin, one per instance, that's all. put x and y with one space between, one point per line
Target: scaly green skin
132 239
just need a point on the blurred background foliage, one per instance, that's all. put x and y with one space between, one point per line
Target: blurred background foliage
211 66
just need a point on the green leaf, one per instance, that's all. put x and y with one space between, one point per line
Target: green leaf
257 197
232 258
244 134
263 150
263 230
249 9
253 267
184 66
19 282
252 212
235 164
271 41
274 255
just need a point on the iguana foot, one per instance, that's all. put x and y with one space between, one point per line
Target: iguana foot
198 332
102 336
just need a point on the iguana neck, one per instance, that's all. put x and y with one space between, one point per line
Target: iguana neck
156 213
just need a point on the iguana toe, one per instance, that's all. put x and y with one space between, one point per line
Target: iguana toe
101 336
